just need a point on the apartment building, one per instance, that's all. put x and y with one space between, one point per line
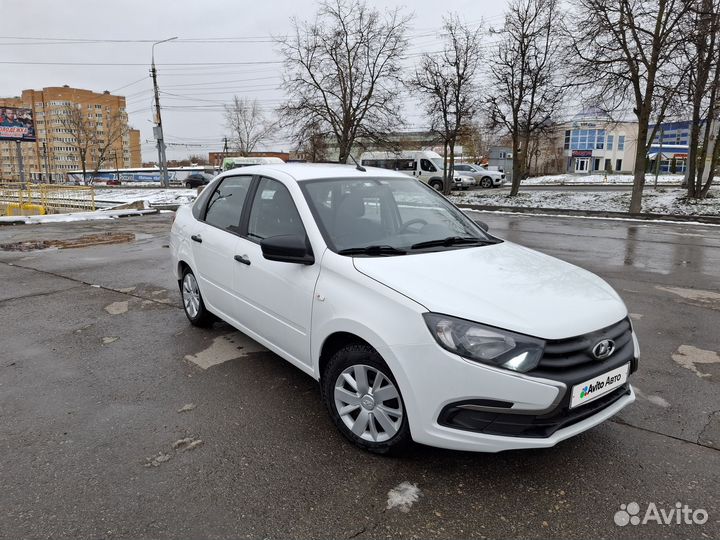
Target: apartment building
54 153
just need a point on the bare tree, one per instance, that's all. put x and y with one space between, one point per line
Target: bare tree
342 72
247 123
82 131
312 143
107 134
629 52
446 83
702 49
525 93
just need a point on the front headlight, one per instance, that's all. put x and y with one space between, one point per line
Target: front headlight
484 343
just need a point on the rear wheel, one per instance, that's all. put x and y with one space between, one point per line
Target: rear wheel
486 182
192 300
188 185
364 400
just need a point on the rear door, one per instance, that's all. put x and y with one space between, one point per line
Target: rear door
216 239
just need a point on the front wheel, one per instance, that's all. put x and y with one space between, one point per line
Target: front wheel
192 301
188 185
364 400
436 184
486 182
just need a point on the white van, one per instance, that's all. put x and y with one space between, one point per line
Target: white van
424 165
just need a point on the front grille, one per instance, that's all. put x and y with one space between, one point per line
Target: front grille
565 354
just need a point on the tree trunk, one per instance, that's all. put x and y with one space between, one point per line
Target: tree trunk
640 164
714 162
446 183
451 167
516 167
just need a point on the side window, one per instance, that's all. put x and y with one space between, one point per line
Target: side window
273 212
406 165
425 165
226 203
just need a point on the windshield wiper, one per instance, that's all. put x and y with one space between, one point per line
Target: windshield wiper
453 241
372 250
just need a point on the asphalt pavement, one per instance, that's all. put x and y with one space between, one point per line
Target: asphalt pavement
120 420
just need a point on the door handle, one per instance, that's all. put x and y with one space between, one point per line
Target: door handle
242 259
196 238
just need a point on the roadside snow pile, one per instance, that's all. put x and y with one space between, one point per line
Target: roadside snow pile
152 196
76 216
663 201
564 179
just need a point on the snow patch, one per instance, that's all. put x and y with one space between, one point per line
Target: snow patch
696 295
403 496
223 349
655 400
117 308
687 356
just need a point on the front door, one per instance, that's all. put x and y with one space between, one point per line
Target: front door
582 165
277 296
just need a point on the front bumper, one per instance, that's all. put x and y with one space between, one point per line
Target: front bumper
514 410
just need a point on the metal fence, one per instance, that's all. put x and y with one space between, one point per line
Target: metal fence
34 199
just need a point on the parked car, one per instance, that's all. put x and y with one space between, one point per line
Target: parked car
424 165
484 177
113 182
367 280
196 179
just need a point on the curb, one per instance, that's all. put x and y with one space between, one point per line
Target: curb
710 220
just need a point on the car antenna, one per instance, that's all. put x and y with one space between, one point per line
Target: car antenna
357 165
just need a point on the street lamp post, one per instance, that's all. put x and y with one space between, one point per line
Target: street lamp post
158 131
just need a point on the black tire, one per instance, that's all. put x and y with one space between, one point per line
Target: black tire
364 356
436 184
195 311
188 185
486 182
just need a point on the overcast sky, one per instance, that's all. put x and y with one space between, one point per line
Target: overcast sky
194 88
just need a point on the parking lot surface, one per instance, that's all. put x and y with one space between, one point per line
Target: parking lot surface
119 419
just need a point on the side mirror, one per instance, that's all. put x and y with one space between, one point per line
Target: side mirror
481 224
289 248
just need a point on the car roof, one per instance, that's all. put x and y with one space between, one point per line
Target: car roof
316 171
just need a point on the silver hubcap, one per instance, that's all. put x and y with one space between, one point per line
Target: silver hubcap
191 295
368 403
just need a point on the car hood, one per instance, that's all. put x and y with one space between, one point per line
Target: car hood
503 285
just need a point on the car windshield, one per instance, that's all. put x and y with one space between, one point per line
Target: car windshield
438 162
388 216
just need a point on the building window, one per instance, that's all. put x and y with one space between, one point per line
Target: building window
610 142
567 141
596 165
618 163
621 142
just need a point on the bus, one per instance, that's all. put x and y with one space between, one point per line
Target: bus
143 174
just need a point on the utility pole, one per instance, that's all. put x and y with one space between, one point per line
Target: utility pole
659 156
225 152
20 162
158 130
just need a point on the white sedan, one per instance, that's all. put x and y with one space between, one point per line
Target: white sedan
484 177
417 323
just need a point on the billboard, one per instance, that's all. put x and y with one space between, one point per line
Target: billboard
16 124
